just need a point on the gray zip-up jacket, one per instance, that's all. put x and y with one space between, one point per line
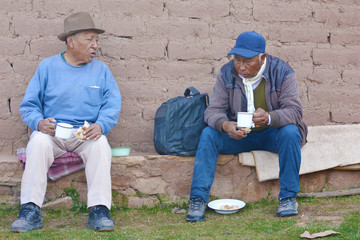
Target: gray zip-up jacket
281 94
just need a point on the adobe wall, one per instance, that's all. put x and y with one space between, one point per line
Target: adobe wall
157 48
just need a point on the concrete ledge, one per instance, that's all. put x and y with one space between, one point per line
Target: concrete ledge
328 147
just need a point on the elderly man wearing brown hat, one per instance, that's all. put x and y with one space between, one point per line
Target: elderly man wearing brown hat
67 90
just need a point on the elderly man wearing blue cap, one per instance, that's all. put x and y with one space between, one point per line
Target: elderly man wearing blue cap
265 86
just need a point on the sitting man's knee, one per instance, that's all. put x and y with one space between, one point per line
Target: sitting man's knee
102 141
290 132
209 132
40 139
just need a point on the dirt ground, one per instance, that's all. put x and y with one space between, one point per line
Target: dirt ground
331 214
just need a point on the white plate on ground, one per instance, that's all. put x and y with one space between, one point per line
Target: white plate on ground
226 206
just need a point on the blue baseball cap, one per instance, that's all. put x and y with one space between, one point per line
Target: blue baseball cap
248 45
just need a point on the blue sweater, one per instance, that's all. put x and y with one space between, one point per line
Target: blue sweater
72 94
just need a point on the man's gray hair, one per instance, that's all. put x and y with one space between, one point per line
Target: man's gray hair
75 35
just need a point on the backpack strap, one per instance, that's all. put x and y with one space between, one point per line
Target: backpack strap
191 89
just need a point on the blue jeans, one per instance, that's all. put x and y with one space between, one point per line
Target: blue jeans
286 141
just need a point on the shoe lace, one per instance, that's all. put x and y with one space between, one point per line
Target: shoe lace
196 204
24 212
102 212
286 202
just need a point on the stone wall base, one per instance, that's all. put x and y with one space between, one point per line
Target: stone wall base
153 179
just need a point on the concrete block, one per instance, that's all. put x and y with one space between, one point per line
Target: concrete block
50 8
228 30
14 46
349 15
5 67
15 104
130 50
31 25
299 54
283 13
143 133
198 9
334 94
348 114
274 187
325 14
196 51
338 15
137 202
124 27
130 68
302 70
11 130
6 190
13 86
10 5
313 182
345 38
149 91
149 114
4 109
25 67
4 24
323 75
351 76
64 202
336 57
242 10
296 53
150 185
46 46
121 182
177 30
317 116
133 9
342 179
179 69
307 34
324 145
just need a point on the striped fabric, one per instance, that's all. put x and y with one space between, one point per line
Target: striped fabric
62 166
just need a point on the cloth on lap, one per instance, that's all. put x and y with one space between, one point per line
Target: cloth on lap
62 166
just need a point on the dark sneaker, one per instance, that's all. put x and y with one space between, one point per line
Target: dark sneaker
287 207
100 220
196 212
29 218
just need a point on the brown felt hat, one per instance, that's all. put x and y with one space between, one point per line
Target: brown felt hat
78 22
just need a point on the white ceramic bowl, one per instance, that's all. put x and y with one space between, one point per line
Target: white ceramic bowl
220 204
120 151
63 130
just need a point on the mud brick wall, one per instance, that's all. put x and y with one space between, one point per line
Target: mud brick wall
157 48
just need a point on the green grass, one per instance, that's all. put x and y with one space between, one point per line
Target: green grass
256 221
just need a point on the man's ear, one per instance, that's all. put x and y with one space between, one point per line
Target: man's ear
263 58
70 41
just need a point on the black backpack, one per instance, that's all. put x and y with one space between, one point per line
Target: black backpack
179 122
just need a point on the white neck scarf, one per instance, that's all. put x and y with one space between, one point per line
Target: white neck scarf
248 82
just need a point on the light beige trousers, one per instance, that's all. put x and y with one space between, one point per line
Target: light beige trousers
41 151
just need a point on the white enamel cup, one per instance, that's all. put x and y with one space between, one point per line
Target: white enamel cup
63 130
244 119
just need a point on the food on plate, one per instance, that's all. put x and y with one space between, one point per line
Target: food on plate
79 134
228 207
